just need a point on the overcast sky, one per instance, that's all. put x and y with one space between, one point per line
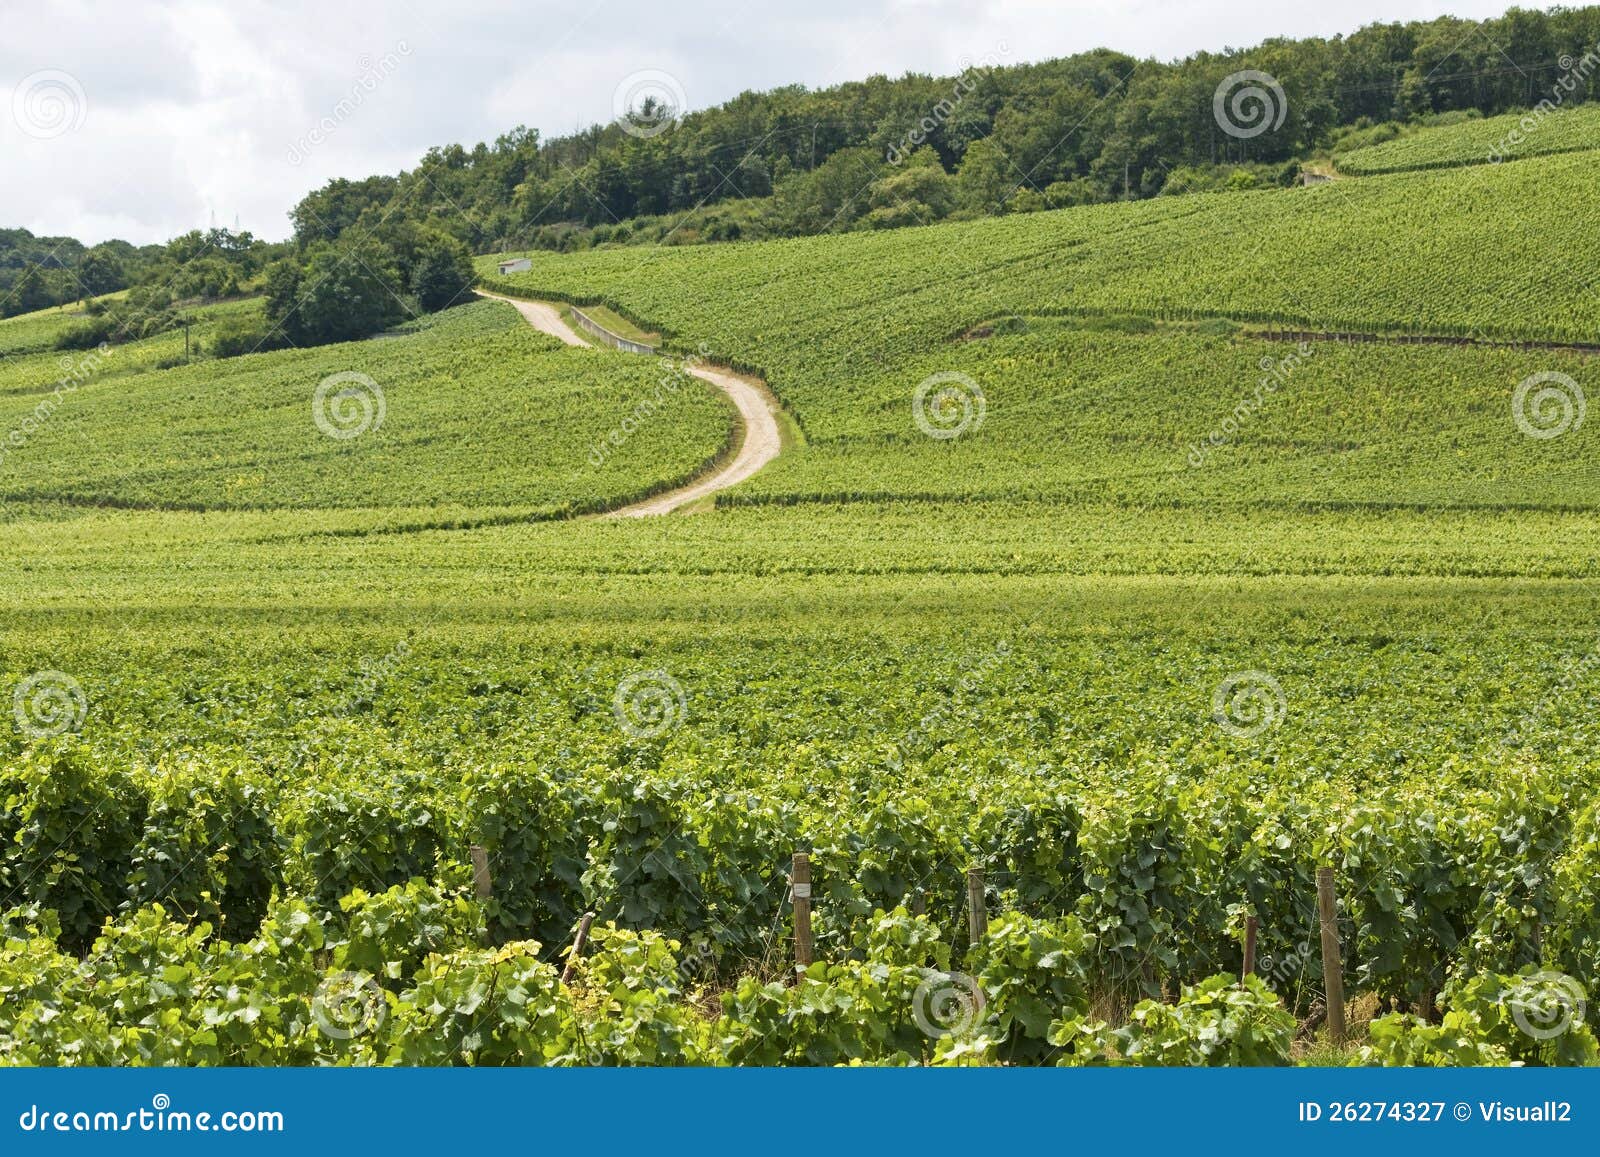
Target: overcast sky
141 119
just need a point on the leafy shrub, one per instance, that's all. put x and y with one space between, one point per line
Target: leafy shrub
72 831
644 871
1033 973
360 833
390 933
1219 1021
891 1008
209 848
46 1017
89 333
891 848
536 856
499 1006
1531 1017
626 997
1137 881
236 336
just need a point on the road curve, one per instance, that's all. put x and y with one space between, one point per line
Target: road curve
758 411
758 415
542 317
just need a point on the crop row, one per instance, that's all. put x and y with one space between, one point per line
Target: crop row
1540 131
470 409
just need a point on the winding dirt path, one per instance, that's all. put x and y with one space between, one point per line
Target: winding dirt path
758 411
758 415
542 317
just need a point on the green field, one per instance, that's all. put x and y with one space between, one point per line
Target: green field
470 411
1147 640
1542 130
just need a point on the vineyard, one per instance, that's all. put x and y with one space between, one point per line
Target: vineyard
475 416
1085 621
1348 255
1027 741
1490 140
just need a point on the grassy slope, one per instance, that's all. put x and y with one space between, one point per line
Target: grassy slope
479 413
1047 604
1477 142
847 327
1500 251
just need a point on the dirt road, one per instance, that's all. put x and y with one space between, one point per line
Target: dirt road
542 317
758 413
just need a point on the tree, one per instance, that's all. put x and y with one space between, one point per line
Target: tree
918 192
101 272
30 293
442 273
344 291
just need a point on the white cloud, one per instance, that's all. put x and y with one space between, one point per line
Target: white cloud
194 108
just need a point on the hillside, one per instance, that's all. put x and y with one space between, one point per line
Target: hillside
998 135
1081 406
1541 131
469 411
1072 569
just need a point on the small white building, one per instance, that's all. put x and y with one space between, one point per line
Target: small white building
515 265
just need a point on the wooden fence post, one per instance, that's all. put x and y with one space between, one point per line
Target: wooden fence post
977 914
800 886
1332 961
578 942
1251 925
482 883
919 903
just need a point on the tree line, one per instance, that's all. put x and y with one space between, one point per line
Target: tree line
877 153
998 138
